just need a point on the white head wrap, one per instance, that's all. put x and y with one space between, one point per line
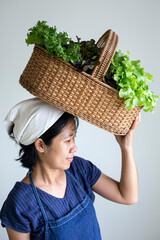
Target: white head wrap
29 119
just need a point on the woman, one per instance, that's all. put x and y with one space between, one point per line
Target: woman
55 199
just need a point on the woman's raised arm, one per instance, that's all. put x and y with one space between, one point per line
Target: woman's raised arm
125 191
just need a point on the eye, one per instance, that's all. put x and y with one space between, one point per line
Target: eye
69 140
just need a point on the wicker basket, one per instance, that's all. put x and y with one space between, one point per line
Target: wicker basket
85 96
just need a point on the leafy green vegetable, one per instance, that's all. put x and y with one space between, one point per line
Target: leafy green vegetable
83 55
128 77
131 81
55 43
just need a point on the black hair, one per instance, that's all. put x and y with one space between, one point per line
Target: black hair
28 155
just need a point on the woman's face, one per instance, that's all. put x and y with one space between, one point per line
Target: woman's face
60 153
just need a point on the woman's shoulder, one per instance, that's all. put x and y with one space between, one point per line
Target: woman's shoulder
17 195
85 169
82 164
26 180
15 210
86 173
20 188
78 164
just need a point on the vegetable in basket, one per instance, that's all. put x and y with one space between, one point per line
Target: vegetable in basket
127 76
130 79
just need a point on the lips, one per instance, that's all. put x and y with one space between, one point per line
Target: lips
69 159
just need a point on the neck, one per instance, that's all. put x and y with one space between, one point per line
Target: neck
43 175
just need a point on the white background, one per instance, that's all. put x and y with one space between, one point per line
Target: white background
137 24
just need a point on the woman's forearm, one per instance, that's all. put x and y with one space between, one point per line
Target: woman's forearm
128 185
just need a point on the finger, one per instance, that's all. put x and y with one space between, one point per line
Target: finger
136 122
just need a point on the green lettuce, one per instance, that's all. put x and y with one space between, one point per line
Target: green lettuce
55 43
131 82
83 55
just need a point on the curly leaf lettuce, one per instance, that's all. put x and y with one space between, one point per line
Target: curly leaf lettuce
58 44
131 81
83 55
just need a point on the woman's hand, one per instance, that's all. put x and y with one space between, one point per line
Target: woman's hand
125 142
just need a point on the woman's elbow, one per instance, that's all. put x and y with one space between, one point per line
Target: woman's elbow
132 201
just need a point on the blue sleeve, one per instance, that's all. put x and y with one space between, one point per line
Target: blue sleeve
88 170
12 217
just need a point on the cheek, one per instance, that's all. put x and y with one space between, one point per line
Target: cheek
65 147
61 148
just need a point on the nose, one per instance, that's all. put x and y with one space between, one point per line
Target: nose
73 148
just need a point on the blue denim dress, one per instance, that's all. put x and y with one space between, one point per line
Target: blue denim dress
79 224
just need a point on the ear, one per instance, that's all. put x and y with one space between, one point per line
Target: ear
39 145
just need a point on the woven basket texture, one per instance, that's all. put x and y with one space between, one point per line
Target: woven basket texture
85 96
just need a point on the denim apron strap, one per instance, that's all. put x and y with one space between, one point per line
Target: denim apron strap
40 204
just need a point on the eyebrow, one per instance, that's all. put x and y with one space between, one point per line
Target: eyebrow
71 134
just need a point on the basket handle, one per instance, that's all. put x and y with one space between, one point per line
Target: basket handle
108 41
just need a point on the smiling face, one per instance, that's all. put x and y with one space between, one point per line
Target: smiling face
60 153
